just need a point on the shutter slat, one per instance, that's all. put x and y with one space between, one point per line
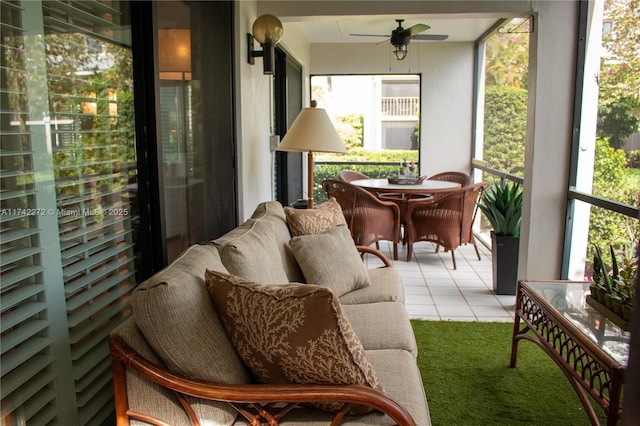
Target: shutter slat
29 377
16 234
20 294
97 377
84 313
68 235
9 195
74 12
17 275
25 351
40 410
11 256
87 264
96 242
94 291
19 315
26 331
94 276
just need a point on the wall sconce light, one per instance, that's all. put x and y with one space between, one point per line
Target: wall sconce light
267 30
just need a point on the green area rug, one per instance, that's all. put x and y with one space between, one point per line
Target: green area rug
466 375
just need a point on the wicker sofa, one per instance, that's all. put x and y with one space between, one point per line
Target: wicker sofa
175 363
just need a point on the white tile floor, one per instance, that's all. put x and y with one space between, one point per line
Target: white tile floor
435 291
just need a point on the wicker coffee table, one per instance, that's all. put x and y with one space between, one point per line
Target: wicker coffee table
589 349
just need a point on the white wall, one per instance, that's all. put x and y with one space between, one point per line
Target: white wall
254 109
253 112
447 91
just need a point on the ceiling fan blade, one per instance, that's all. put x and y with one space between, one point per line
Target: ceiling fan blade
370 35
437 37
417 29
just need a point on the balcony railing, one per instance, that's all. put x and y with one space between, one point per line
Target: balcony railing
400 106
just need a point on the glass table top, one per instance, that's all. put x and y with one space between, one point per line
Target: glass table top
569 299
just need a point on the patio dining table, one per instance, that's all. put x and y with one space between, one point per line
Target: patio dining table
402 193
426 187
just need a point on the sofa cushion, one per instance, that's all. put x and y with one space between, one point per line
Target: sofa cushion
331 259
291 334
317 220
383 325
250 251
141 390
385 285
272 212
401 379
171 309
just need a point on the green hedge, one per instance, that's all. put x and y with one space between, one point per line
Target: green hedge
323 172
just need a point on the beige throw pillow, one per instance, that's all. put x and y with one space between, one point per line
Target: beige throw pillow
321 218
291 334
331 259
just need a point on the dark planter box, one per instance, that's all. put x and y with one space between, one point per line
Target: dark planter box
504 254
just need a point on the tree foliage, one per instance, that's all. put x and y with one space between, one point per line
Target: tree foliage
505 127
506 58
617 120
350 128
607 228
619 78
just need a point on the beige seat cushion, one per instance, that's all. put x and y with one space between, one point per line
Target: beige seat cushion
291 334
400 377
141 390
331 259
171 309
383 325
385 285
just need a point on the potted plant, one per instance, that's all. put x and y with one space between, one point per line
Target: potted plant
613 287
501 204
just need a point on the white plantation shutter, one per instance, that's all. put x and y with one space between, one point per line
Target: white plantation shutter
66 237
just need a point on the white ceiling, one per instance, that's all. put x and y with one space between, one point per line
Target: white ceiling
335 29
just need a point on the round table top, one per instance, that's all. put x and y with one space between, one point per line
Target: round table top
426 187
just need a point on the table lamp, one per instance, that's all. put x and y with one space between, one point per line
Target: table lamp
312 131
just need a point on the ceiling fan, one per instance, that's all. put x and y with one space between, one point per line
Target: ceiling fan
400 37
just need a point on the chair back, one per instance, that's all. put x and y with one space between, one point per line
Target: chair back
369 219
462 178
349 175
446 221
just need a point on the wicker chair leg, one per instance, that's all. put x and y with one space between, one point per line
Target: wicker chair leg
409 250
477 252
395 250
437 248
453 257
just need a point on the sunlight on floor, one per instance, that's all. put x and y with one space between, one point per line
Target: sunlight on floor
435 291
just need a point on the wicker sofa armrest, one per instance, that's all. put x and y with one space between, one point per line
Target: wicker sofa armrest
368 250
257 403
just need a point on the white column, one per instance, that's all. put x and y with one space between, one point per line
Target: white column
553 46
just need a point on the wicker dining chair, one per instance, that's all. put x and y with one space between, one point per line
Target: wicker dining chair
462 178
369 218
446 222
349 175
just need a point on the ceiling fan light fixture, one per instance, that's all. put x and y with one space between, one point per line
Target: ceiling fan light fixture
400 51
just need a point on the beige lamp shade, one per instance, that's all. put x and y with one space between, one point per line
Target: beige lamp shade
174 50
312 131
